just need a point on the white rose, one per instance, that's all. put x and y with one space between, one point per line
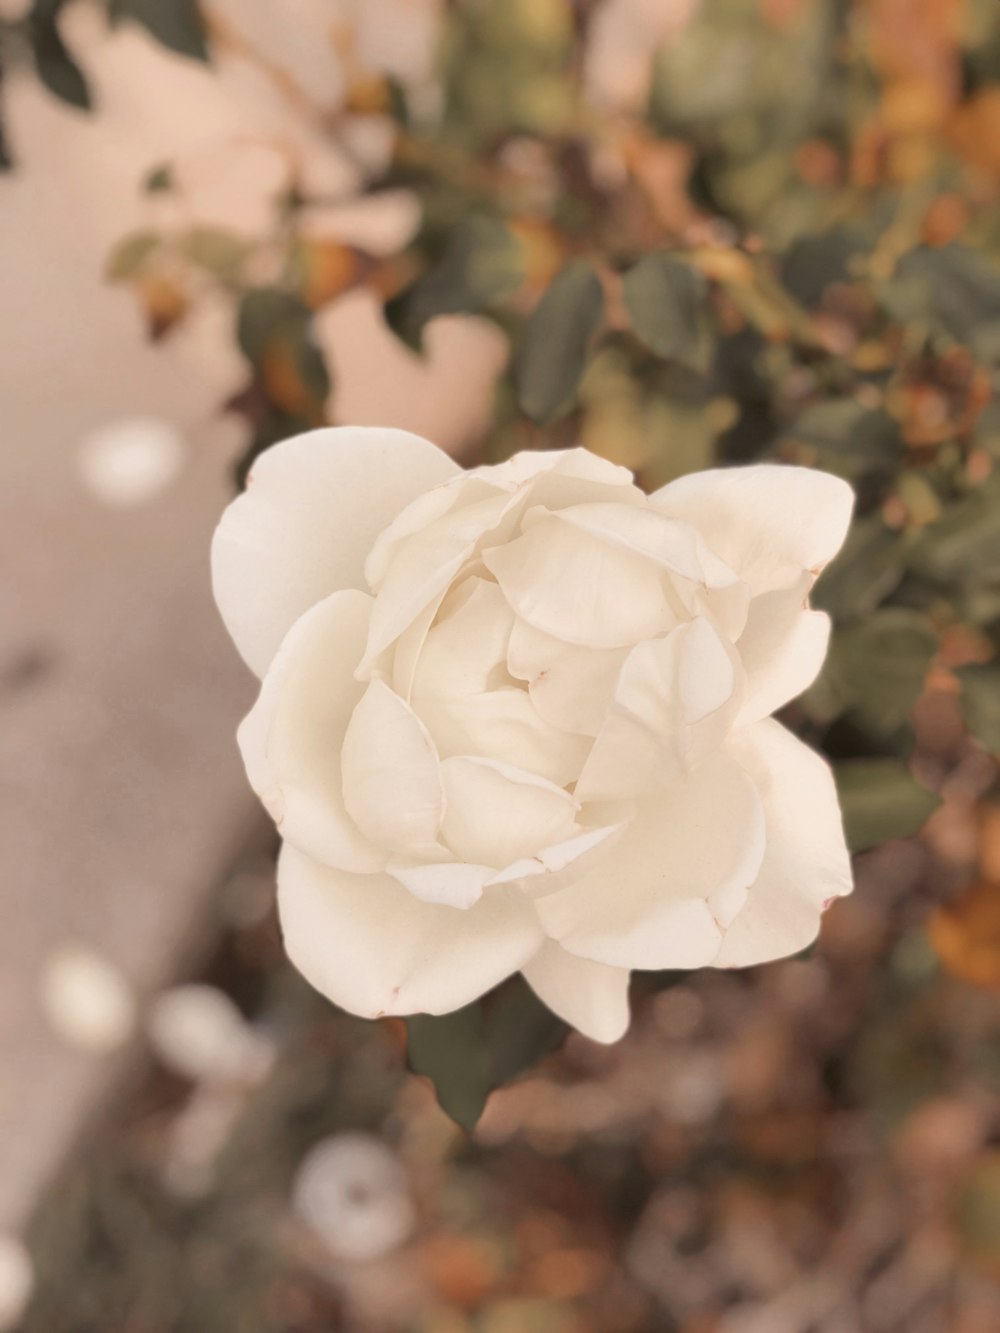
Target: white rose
518 717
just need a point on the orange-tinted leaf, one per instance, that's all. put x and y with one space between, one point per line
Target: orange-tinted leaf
281 371
966 936
463 1270
326 269
163 303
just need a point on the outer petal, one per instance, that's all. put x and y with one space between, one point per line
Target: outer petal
292 736
374 949
312 509
806 862
574 464
676 878
782 648
768 522
391 773
592 997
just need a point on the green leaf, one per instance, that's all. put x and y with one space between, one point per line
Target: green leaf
865 572
264 313
981 703
130 255
481 263
56 67
177 24
964 545
217 251
852 441
160 179
274 330
952 288
881 800
813 263
519 1030
875 671
553 351
451 1050
468 1053
665 299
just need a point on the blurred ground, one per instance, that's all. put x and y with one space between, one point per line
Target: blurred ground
808 1148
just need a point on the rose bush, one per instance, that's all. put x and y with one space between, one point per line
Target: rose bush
518 717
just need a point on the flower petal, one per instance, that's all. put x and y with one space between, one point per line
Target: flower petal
301 530
454 883
426 563
576 464
768 522
503 725
374 949
456 493
782 648
496 814
551 868
806 862
571 686
291 737
568 583
674 701
680 863
592 997
391 773
700 582
463 692
465 652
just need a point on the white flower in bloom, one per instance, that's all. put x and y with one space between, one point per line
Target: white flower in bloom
518 717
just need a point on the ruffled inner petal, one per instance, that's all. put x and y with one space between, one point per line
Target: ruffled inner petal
571 686
675 698
496 814
427 562
503 725
391 773
573 586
